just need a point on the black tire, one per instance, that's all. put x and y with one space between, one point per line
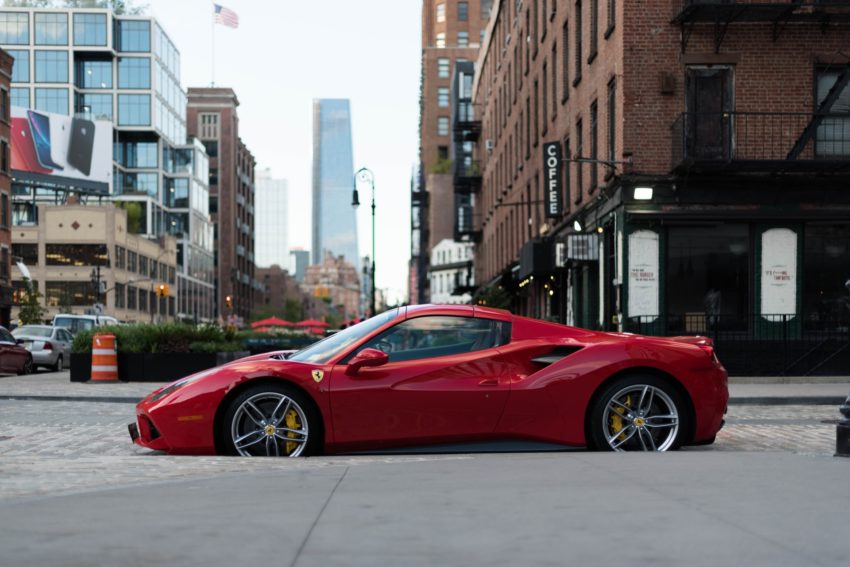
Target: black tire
59 366
614 415
27 368
261 433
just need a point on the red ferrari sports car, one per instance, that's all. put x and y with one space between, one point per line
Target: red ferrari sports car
440 374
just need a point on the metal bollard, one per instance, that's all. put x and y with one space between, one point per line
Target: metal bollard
842 431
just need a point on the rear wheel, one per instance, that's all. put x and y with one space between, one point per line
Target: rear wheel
59 366
638 413
271 420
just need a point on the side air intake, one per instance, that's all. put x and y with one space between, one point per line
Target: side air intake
555 355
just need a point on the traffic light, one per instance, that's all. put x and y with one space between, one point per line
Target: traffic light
228 300
162 290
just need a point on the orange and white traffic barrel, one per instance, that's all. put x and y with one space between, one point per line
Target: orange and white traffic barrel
104 358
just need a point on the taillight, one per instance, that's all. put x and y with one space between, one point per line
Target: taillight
48 345
709 350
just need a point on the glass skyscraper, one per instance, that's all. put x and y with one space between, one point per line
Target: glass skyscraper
334 221
271 199
96 64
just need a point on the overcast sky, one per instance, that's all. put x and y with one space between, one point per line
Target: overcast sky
284 54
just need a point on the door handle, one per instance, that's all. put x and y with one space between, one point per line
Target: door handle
491 382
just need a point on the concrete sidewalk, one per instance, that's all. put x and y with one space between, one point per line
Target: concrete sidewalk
781 390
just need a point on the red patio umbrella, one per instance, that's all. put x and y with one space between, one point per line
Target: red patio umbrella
312 323
272 322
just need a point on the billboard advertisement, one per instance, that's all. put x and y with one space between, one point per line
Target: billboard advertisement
53 149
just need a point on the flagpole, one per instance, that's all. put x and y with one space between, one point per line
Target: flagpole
212 83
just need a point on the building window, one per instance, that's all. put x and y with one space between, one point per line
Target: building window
120 295
565 63
134 110
462 11
528 127
52 100
463 39
143 265
441 40
143 300
594 145
441 13
443 126
76 294
4 150
21 67
4 207
51 29
137 154
833 134
612 123
545 94
132 294
134 73
443 96
579 135
90 29
93 74
28 253
209 129
567 177
443 67
139 184
94 106
594 30
577 29
120 257
536 115
20 97
77 255
612 17
51 67
133 35
14 28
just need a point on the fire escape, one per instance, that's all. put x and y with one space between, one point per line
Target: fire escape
466 168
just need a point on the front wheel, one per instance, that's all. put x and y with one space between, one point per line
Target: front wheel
27 368
271 420
638 413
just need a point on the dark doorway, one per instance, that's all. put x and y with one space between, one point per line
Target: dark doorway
710 103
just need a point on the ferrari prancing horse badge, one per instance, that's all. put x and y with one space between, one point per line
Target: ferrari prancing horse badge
318 375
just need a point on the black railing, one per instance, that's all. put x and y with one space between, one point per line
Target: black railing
761 141
467 175
765 345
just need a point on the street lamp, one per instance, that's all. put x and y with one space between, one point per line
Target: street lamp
365 174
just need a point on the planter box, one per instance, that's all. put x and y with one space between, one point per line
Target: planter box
154 367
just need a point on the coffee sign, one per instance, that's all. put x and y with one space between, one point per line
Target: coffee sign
552 170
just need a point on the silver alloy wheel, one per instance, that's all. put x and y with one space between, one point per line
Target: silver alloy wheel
640 417
269 424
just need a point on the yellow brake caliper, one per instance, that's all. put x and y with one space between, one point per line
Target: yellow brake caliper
292 422
616 419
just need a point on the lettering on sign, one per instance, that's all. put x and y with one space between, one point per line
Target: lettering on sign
552 169
778 272
643 275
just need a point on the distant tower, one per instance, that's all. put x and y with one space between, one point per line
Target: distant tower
334 221
271 200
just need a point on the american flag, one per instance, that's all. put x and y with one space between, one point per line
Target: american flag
225 16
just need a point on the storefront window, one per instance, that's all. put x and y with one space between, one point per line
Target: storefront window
708 278
826 275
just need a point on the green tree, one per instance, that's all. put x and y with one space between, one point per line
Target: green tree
134 215
32 312
293 310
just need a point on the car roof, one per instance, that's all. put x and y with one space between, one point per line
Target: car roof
457 310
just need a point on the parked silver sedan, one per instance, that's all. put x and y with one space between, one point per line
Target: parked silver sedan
50 346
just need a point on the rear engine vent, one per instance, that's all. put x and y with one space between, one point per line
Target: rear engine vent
555 355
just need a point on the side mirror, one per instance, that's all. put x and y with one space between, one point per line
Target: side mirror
366 357
19 341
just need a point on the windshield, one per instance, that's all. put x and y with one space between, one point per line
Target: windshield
73 324
30 331
326 349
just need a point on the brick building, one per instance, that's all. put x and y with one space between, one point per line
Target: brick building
5 191
702 186
451 32
212 118
280 288
335 281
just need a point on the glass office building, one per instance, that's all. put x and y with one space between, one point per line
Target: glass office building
94 64
271 198
334 220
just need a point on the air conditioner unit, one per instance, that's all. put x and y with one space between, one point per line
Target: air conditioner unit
488 145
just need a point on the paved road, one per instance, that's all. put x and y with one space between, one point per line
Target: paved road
74 491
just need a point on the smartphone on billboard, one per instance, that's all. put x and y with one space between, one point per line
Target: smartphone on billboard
60 131
81 144
23 149
40 128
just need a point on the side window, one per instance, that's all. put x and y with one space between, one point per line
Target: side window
6 336
439 335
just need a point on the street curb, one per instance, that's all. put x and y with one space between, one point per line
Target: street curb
101 399
787 401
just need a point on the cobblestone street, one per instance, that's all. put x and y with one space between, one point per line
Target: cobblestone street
51 446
